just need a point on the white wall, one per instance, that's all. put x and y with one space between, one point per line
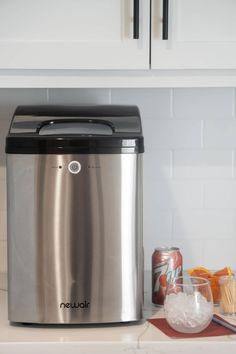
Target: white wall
189 165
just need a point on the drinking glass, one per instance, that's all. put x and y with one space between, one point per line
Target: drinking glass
228 295
188 304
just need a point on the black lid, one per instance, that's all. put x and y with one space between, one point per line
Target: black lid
75 130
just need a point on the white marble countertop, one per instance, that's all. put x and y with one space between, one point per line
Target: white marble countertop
141 338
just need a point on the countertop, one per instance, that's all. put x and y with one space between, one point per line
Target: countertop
141 338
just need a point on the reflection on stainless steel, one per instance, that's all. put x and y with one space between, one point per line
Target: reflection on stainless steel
75 240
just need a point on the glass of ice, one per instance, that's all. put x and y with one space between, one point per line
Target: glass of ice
188 304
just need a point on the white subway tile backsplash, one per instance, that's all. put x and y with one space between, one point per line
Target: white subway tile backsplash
175 194
219 253
80 96
157 231
13 97
162 225
157 164
171 134
220 194
204 224
199 103
198 164
191 250
3 225
234 164
153 103
219 134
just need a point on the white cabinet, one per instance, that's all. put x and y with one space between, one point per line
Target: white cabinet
82 43
201 35
73 34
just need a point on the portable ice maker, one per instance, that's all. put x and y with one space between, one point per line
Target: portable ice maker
74 206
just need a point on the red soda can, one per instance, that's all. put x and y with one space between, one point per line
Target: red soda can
167 264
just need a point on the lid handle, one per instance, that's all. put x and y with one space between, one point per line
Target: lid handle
75 127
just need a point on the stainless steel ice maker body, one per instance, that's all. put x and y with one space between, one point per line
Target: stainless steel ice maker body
75 252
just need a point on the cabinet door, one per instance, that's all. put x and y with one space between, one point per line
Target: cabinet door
73 34
201 34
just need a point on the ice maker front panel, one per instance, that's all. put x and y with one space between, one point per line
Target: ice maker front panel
75 239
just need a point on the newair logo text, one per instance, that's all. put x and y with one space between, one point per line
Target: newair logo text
75 305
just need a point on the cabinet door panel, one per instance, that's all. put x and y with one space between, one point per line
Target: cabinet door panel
207 20
62 20
202 34
73 34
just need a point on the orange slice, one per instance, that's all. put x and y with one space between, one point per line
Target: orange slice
200 272
224 271
215 288
212 277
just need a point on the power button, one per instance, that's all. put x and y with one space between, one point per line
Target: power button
74 167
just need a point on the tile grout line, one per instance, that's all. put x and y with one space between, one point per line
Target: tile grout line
203 189
232 161
233 103
172 225
202 251
171 103
171 163
202 133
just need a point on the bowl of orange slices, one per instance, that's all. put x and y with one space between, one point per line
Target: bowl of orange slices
213 278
